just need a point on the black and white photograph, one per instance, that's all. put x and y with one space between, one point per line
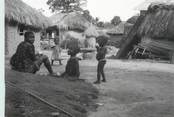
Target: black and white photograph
88 58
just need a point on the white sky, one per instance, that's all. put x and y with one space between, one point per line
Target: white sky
105 10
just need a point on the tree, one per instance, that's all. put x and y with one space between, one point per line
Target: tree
116 20
100 24
87 15
66 6
96 19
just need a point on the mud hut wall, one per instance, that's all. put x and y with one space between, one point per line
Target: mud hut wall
13 38
37 40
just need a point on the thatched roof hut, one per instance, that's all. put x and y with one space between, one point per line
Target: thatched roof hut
144 5
157 25
91 32
17 11
159 22
119 29
74 20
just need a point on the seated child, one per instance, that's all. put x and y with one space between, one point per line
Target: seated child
72 66
101 53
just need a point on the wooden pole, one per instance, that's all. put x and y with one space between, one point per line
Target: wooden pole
39 98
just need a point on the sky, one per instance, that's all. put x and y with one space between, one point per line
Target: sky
105 10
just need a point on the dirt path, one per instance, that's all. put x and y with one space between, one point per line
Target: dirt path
133 89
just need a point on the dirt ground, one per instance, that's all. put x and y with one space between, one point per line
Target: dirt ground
76 97
135 88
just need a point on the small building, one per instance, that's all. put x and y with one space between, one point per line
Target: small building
19 18
67 25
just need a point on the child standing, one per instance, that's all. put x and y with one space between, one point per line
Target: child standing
101 53
56 53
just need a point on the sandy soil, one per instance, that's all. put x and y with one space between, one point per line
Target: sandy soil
134 89
74 96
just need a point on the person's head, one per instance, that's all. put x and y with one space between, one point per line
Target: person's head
29 37
102 40
73 51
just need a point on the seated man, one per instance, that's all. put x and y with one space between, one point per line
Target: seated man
72 66
25 59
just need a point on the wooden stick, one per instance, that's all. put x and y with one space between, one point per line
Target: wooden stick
41 99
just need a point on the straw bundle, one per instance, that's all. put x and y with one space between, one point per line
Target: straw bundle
91 32
159 22
72 20
18 11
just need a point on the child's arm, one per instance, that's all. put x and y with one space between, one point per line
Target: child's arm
97 47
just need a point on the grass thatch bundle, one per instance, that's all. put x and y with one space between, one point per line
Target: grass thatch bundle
159 22
72 20
91 32
71 43
144 5
18 11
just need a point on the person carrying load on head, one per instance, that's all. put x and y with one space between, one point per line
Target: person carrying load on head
101 53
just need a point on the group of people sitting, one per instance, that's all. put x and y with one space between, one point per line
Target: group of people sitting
27 60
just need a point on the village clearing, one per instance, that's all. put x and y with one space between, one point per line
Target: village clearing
134 88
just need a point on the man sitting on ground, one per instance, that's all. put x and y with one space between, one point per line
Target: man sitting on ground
25 59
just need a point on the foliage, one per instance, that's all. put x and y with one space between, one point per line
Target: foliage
96 19
116 20
66 6
100 24
87 15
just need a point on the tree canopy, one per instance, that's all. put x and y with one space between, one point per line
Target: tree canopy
116 20
87 15
66 6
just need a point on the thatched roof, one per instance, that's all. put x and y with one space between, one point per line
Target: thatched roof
18 11
91 31
73 20
144 5
159 22
119 29
102 32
